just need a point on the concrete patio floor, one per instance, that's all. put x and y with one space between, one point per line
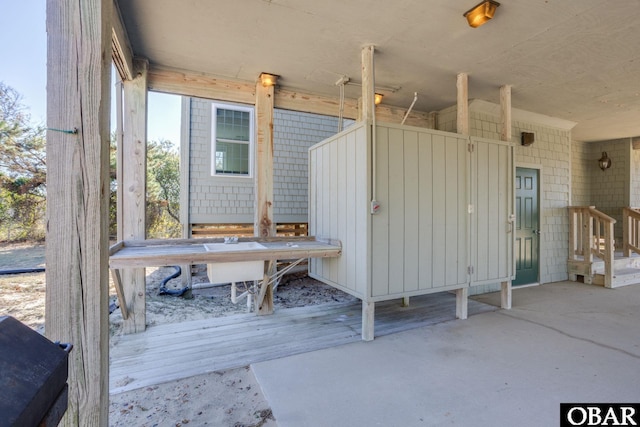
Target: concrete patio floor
561 342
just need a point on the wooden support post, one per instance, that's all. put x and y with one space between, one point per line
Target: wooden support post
505 113
587 235
505 295
608 254
264 302
505 135
117 284
462 85
77 251
368 315
263 220
368 90
185 155
119 155
433 120
627 228
134 190
462 303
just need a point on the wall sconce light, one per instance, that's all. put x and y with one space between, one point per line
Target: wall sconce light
268 79
377 98
481 13
527 138
604 162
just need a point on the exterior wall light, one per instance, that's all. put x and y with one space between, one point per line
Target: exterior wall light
604 162
268 79
377 98
481 13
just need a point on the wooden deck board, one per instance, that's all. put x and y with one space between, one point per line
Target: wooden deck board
173 351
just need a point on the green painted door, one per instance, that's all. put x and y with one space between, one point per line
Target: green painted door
527 226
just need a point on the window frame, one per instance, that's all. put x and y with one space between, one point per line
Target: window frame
215 106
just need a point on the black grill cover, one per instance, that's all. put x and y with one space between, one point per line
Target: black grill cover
33 375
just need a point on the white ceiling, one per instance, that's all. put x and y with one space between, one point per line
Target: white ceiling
576 60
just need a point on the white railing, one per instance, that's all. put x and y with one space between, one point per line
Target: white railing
630 231
591 234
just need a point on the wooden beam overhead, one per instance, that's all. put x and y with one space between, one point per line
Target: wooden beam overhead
122 54
198 85
77 252
306 102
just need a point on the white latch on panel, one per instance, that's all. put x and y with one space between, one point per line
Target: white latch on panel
375 207
470 209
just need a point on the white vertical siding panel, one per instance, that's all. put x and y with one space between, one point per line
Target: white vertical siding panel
312 202
332 263
452 223
411 211
420 240
320 199
380 222
496 234
481 234
462 213
492 247
362 168
341 208
503 212
425 232
439 211
338 189
396 210
349 245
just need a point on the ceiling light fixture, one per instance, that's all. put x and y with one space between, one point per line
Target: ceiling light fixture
377 99
268 79
481 13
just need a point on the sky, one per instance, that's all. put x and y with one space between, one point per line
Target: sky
23 66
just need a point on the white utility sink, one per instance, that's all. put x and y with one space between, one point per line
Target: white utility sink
238 271
227 247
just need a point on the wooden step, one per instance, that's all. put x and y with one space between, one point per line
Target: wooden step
622 277
619 262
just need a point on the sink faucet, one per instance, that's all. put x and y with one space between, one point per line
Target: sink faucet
231 239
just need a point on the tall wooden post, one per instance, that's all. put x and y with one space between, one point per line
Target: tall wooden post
368 90
77 251
134 190
263 220
462 85
505 113
462 127
368 106
505 135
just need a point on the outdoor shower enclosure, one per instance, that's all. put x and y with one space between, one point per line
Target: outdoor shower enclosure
444 218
